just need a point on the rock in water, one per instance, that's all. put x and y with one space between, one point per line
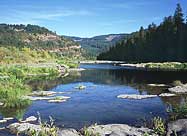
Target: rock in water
178 127
178 89
167 95
135 96
31 119
3 121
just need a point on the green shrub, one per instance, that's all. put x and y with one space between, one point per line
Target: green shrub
159 126
177 112
177 83
12 91
47 129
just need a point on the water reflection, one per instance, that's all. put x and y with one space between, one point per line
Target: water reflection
98 102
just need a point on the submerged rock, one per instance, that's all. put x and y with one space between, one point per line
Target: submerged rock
135 96
80 87
30 119
36 98
46 98
178 128
59 99
178 89
45 93
167 95
119 130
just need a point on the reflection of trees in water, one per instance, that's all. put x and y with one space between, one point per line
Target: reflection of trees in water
16 113
99 76
140 79
147 77
47 83
174 101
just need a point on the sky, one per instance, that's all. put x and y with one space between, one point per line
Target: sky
88 18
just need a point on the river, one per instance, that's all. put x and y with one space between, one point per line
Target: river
98 103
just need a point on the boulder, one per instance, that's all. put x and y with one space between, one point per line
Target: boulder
8 118
135 96
43 93
68 132
167 95
3 121
36 98
157 85
46 98
179 89
59 99
23 127
30 119
119 130
178 127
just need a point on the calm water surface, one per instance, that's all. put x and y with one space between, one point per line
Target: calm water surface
98 103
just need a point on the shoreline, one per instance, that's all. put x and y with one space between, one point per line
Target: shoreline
178 126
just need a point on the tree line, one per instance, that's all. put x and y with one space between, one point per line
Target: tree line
165 42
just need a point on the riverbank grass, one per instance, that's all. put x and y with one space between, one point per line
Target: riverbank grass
167 66
12 91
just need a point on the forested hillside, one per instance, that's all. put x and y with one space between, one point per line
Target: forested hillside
98 44
37 38
165 42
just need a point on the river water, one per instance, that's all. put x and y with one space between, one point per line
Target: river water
98 103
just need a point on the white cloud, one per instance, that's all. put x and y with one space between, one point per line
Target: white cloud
37 16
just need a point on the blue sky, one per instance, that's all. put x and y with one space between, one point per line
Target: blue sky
87 18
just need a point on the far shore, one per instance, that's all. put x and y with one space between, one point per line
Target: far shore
101 62
149 66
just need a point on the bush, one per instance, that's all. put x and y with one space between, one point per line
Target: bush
177 83
159 126
177 112
12 91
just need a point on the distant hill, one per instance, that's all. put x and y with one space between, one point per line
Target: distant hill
36 37
95 45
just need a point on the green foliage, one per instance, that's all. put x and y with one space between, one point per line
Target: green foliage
167 66
24 55
162 43
24 70
47 129
159 126
146 134
37 38
87 132
177 83
12 91
178 112
70 62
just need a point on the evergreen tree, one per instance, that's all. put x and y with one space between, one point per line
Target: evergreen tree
165 42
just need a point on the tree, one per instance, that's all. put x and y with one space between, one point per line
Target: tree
166 42
178 16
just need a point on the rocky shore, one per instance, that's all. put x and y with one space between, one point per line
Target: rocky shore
178 127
